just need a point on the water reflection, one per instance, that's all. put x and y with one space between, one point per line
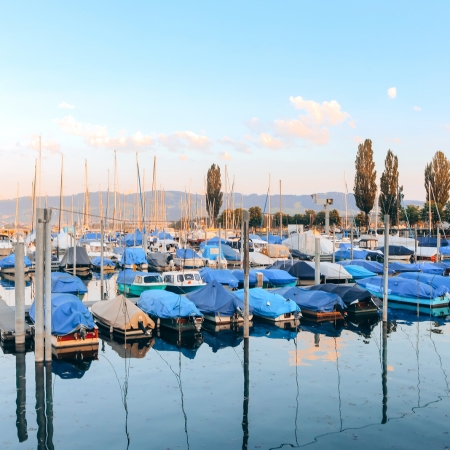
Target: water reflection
186 344
21 387
137 348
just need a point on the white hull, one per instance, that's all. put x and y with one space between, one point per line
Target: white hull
224 320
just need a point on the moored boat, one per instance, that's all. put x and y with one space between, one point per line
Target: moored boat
130 282
108 265
7 264
183 282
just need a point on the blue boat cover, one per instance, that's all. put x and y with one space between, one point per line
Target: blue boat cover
346 254
253 277
127 276
97 262
349 294
187 253
223 276
64 283
8 262
318 301
345 246
428 241
230 254
444 250
254 236
166 305
212 252
271 331
402 287
221 339
89 237
397 250
69 314
271 239
213 299
133 239
164 236
435 269
213 241
268 304
373 266
277 276
133 256
358 272
434 281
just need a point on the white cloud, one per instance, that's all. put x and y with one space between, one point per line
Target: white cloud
268 141
185 139
417 108
255 125
298 128
352 124
225 156
49 145
239 146
97 135
65 105
327 113
392 92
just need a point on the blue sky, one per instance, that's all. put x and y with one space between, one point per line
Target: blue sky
286 88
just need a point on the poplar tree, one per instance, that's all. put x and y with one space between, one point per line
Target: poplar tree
365 186
390 192
437 180
213 192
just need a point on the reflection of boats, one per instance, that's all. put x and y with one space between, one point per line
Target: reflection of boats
72 324
218 340
7 281
187 345
122 318
171 310
69 369
219 305
362 324
135 283
131 348
275 331
329 328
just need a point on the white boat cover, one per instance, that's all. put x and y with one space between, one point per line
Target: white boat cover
331 271
278 251
258 259
424 252
63 241
121 314
306 243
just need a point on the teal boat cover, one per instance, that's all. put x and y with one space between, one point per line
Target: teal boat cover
358 272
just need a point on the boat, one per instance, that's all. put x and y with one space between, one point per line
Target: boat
435 281
83 262
160 262
108 265
183 282
332 272
134 258
434 269
356 299
256 278
130 282
186 258
358 272
224 276
232 256
72 324
271 306
277 278
372 266
64 283
6 246
94 249
7 264
410 293
171 310
258 259
276 251
122 318
213 256
314 304
304 272
398 253
218 304
133 239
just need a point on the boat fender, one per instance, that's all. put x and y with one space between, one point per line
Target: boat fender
142 328
83 333
239 311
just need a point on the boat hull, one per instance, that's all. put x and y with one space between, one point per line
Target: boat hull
73 340
224 320
280 318
180 324
137 290
185 289
438 302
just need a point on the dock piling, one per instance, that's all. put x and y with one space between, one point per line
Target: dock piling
438 244
246 274
386 268
19 281
21 397
415 244
39 287
317 261
102 293
351 241
48 284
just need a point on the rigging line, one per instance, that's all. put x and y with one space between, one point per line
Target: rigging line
440 364
298 391
339 383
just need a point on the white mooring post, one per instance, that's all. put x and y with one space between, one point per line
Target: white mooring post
386 268
317 261
415 244
39 287
438 244
48 284
19 291
246 274
102 232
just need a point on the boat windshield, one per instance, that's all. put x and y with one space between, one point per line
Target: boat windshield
189 276
153 279
168 278
180 278
197 276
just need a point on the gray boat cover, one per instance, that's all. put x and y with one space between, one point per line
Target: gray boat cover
82 258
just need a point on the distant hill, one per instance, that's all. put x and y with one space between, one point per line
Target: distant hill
128 204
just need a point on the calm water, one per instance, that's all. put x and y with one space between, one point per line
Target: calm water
321 387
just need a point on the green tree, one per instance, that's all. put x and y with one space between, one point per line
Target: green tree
390 192
255 218
365 186
226 216
213 192
437 180
411 214
319 219
335 218
436 213
360 219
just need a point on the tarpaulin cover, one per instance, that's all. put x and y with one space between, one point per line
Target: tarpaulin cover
348 294
221 339
428 241
157 260
163 235
434 269
127 276
373 266
223 276
9 261
121 314
444 250
213 299
213 241
312 300
187 253
397 250
133 239
67 371
434 281
271 239
97 262
332 270
346 254
133 256
254 236
166 305
89 237
230 254
211 252
271 331
253 277
358 272
64 283
345 246
298 269
297 254
268 304
277 277
402 287
69 314
82 257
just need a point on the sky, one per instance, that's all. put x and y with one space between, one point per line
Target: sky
281 89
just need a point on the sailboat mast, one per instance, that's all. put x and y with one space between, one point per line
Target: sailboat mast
281 214
61 193
33 225
270 212
40 173
86 197
16 221
115 190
